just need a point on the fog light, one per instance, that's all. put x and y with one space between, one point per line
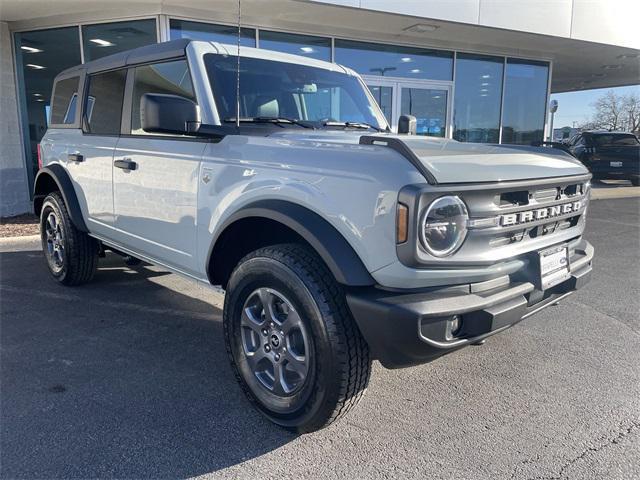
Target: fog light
454 324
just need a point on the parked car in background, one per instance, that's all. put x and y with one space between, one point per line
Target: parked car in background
608 155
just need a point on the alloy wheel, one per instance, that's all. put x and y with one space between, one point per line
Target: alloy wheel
274 342
55 241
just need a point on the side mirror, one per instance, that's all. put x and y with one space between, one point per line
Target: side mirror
407 124
163 113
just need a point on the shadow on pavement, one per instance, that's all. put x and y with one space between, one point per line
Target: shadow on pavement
124 377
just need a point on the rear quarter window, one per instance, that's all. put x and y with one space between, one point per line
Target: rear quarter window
103 107
65 98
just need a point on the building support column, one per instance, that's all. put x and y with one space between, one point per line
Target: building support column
14 185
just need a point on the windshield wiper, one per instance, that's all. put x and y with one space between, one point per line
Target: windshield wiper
275 120
363 125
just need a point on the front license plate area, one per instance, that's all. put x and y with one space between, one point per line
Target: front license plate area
554 266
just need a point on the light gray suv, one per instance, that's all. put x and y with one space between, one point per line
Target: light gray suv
336 240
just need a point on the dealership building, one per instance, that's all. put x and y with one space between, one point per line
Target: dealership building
471 70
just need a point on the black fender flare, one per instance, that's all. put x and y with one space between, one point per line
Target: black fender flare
342 260
66 189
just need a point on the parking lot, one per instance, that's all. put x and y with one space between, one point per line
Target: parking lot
127 377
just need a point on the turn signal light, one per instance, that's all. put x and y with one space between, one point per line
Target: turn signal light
402 223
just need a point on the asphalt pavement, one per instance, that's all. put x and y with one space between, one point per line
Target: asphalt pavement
127 377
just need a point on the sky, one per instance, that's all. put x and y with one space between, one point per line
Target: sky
576 106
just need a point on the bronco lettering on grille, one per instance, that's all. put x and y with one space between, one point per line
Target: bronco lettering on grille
539 213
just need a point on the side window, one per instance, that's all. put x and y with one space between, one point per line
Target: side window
103 107
65 95
170 78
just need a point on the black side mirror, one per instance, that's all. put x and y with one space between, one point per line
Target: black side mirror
164 113
407 124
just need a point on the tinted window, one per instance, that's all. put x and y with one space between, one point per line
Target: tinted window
305 45
525 97
106 38
212 33
103 107
394 61
171 78
476 110
40 56
615 140
63 108
279 89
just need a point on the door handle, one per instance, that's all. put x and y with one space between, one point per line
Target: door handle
125 164
75 157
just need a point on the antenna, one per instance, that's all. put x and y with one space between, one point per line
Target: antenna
238 71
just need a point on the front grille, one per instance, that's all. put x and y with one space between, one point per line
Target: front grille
507 220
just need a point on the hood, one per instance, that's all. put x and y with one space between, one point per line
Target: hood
450 161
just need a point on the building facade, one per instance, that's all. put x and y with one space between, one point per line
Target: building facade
468 70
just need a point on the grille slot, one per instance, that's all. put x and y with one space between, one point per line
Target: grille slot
514 199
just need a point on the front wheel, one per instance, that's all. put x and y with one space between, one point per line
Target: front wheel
293 344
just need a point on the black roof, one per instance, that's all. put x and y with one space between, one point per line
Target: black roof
148 53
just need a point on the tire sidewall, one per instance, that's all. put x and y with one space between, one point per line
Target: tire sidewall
322 381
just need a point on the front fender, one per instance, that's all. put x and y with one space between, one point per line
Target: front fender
332 247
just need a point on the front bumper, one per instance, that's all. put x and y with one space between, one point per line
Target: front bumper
404 329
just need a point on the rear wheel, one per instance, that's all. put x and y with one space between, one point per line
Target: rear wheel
71 255
293 345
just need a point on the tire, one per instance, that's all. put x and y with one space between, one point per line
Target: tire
71 255
325 370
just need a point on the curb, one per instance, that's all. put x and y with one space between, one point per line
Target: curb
26 242
611 194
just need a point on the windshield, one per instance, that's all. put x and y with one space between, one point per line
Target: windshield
270 89
615 140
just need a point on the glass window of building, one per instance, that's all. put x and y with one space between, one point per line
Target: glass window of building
40 56
211 33
476 110
429 106
305 45
65 100
384 97
394 61
170 78
104 102
525 98
105 39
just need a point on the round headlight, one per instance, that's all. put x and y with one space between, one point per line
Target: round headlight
444 226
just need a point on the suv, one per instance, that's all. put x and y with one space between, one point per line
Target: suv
608 155
337 241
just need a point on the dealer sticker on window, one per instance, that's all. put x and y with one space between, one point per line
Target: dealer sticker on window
554 266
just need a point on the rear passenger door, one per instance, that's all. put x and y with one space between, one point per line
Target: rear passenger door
91 168
155 199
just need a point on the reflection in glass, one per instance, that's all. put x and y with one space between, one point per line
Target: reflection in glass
167 78
212 33
105 39
525 96
429 106
305 45
394 61
40 56
384 97
476 110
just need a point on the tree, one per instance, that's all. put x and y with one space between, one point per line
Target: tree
615 112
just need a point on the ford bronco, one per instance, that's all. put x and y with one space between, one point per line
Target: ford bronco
336 240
